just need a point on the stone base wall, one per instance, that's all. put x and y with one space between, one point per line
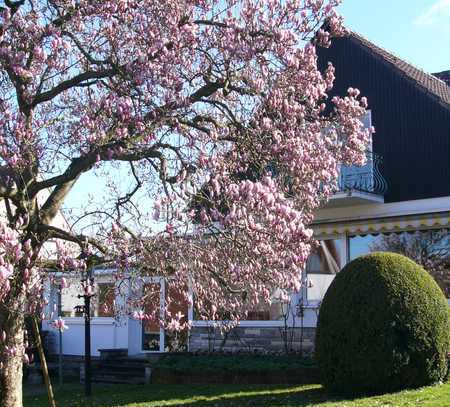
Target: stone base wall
263 339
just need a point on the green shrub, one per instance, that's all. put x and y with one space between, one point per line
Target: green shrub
383 326
189 363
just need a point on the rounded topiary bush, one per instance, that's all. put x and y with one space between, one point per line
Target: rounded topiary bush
383 326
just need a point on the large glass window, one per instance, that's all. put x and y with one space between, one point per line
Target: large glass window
317 286
176 341
326 258
104 300
323 263
275 311
71 305
430 248
360 245
151 329
263 311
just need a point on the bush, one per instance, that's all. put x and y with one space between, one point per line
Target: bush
234 368
189 363
383 326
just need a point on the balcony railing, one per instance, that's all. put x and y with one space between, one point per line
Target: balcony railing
366 178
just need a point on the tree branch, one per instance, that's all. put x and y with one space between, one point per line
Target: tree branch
86 54
14 5
5 190
80 240
70 83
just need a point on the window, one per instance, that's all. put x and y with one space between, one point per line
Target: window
267 312
151 329
176 341
277 310
430 248
326 258
418 245
360 245
323 263
105 300
71 305
262 312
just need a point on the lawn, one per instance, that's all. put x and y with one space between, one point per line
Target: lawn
234 395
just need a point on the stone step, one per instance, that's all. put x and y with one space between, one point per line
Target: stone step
120 366
119 373
115 366
113 378
118 370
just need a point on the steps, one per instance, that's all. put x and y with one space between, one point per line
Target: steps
119 370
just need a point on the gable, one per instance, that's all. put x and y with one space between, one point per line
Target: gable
411 118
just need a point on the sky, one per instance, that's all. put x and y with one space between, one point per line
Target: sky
417 31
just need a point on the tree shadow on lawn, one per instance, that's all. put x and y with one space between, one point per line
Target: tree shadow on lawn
261 396
190 395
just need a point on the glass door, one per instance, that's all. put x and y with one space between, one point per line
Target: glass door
154 337
176 341
152 332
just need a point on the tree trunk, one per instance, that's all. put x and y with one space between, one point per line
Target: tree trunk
11 373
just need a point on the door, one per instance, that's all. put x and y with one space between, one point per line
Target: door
152 332
154 337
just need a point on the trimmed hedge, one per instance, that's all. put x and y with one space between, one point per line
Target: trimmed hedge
191 363
383 326
234 368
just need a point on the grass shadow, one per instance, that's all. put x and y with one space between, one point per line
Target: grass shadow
236 395
182 395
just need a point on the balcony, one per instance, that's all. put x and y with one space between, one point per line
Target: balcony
360 185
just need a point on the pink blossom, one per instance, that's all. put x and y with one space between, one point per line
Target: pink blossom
60 325
139 315
217 117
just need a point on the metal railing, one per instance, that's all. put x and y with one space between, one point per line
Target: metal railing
366 178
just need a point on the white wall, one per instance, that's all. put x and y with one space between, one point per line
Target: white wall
134 337
106 333
320 284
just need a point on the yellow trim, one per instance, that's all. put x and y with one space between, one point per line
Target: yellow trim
381 226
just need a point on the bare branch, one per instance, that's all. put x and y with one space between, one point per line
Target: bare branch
125 199
207 90
80 240
85 53
210 23
70 83
14 5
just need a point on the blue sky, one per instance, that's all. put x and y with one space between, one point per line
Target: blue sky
417 31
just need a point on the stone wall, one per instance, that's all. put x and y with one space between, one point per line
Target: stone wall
251 339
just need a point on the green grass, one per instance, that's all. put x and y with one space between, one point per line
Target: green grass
234 395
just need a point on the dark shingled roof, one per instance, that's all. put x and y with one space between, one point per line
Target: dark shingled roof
429 83
444 75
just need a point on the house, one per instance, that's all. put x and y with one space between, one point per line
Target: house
400 198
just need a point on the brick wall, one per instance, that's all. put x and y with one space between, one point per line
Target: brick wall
251 339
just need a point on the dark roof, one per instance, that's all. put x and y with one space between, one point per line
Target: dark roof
444 75
429 83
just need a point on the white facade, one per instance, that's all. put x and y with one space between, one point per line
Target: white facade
337 227
354 218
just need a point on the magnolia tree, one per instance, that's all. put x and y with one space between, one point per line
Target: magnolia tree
214 112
